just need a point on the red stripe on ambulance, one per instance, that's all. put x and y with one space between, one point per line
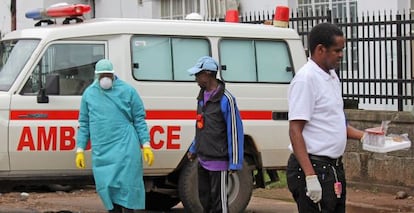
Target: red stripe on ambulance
62 138
150 115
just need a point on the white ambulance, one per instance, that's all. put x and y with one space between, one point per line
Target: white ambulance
44 70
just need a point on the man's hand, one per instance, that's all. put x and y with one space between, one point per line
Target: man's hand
191 156
314 189
80 160
364 137
231 171
148 155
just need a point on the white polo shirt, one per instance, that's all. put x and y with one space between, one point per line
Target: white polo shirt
315 96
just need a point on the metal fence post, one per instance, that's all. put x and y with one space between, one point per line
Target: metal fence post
399 64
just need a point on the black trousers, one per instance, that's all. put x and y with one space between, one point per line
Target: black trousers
328 172
120 209
212 190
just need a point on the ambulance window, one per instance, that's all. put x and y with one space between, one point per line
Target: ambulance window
166 58
69 66
273 62
262 61
14 55
238 56
185 53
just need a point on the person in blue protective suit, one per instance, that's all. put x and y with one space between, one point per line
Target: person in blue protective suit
219 137
112 117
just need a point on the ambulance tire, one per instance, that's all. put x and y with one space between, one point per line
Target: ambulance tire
240 188
159 202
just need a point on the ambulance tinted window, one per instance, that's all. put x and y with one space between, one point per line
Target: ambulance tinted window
68 68
165 58
261 61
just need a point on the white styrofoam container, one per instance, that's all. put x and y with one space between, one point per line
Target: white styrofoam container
388 146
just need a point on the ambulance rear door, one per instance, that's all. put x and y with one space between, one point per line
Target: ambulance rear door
44 112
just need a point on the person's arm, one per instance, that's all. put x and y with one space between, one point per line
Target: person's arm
191 154
299 147
354 133
313 187
141 127
235 133
138 115
83 134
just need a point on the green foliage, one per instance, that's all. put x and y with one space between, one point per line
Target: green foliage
279 184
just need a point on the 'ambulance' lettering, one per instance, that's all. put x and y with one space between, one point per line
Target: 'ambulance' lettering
173 133
48 140
26 140
67 138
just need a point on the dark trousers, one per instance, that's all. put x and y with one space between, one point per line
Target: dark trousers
120 209
328 173
212 190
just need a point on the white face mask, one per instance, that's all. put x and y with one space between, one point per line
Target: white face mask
105 83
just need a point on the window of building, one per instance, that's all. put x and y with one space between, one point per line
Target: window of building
216 9
339 8
69 66
178 9
165 58
249 60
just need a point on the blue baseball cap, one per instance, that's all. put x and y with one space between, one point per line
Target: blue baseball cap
204 63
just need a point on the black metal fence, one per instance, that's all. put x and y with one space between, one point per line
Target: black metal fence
377 66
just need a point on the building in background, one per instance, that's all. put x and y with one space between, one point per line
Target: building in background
5 17
216 10
208 9
165 9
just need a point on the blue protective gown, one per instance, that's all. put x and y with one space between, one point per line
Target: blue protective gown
114 121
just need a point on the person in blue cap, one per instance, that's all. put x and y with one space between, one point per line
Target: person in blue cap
112 117
219 136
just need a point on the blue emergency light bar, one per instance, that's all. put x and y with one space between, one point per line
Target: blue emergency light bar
37 14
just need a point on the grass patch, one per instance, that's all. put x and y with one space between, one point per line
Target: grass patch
282 183
275 190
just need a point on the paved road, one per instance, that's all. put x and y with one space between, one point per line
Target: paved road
256 205
263 205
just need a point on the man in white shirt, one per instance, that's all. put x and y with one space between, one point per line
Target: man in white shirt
317 126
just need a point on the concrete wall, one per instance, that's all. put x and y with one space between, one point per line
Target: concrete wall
391 170
382 6
264 5
116 9
5 21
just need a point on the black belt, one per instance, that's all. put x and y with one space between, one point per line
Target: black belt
325 159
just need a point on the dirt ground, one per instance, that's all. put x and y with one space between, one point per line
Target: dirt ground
358 200
34 200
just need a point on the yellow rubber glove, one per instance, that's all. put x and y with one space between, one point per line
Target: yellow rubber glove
80 160
148 155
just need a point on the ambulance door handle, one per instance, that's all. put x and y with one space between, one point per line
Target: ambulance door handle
135 65
279 115
34 115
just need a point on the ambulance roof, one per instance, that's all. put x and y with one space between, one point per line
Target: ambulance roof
111 26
